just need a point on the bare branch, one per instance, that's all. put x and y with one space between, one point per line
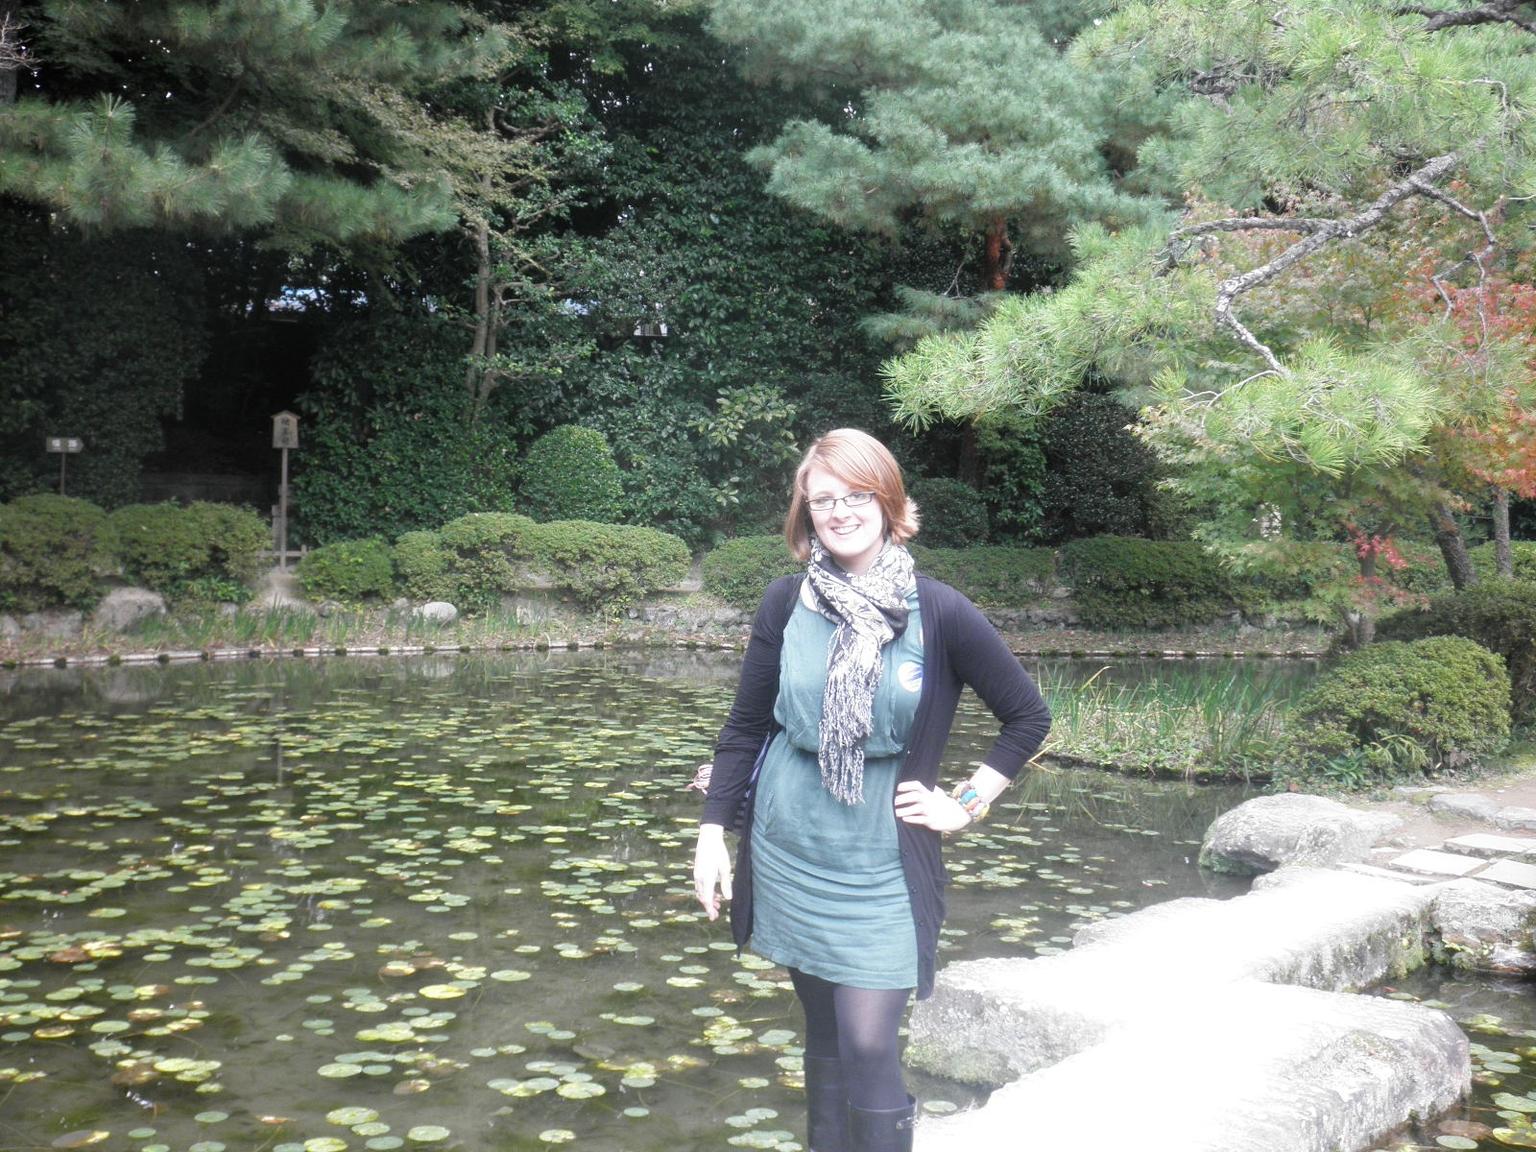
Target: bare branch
13 53
1480 258
1251 224
1497 12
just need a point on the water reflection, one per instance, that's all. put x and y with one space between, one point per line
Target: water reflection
441 901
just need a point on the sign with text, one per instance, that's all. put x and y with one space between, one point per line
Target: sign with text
65 443
285 430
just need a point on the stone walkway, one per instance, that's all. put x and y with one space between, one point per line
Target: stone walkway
1232 1025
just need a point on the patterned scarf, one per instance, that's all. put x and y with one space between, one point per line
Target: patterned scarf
870 611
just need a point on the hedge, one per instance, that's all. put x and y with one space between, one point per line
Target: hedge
608 563
204 552
421 565
52 550
992 576
569 473
1498 614
739 570
1128 582
348 571
953 514
1438 702
487 555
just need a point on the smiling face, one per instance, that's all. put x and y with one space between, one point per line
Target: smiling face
853 536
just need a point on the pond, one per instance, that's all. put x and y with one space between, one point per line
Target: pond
444 903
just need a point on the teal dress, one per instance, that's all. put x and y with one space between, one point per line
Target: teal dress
830 897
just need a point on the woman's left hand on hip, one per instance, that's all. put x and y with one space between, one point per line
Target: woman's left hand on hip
929 807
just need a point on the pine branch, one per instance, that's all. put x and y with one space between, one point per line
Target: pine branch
1319 235
1497 12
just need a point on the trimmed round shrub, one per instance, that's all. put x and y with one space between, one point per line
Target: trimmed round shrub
204 552
1439 702
1498 614
569 473
739 570
487 554
349 570
1522 552
421 563
990 575
608 564
953 513
52 549
1128 582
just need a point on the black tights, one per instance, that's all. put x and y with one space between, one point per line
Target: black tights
859 1026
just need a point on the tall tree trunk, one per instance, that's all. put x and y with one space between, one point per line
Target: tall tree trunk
1361 621
995 270
1453 546
480 234
1501 549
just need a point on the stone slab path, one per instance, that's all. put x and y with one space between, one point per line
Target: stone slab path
1230 1025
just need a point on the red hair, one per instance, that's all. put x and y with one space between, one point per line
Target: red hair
864 464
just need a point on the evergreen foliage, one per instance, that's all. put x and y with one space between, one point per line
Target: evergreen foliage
488 556
1522 553
1125 582
391 442
348 571
1013 477
421 564
1498 614
569 473
954 515
608 564
53 549
100 339
1099 479
990 575
1394 707
739 570
287 117
204 552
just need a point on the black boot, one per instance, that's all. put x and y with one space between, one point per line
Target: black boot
826 1105
882 1130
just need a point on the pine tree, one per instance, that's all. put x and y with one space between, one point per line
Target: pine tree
1308 139
958 113
289 118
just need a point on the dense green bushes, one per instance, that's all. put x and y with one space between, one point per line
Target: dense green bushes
487 555
204 552
1127 582
953 514
1405 706
421 563
348 570
52 549
740 569
992 576
1523 552
1498 614
570 474
609 563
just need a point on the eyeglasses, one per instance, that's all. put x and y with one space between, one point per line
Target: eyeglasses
827 503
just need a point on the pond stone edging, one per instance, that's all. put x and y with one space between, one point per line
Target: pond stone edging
1230 1025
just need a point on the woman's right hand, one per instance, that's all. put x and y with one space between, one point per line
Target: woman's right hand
711 868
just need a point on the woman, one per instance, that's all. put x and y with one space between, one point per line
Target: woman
851 679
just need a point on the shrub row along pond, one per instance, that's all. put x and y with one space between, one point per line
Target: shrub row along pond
441 902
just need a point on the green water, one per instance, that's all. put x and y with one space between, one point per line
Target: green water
442 903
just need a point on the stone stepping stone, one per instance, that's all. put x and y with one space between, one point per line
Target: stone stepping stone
1511 872
1433 863
1388 874
1241 1068
1516 819
1487 844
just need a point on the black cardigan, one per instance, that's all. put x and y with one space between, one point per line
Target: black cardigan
960 647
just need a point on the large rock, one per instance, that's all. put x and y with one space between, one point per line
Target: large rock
1485 928
10 628
1291 828
122 608
1464 805
437 612
1516 819
63 625
990 1021
279 588
1245 1068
